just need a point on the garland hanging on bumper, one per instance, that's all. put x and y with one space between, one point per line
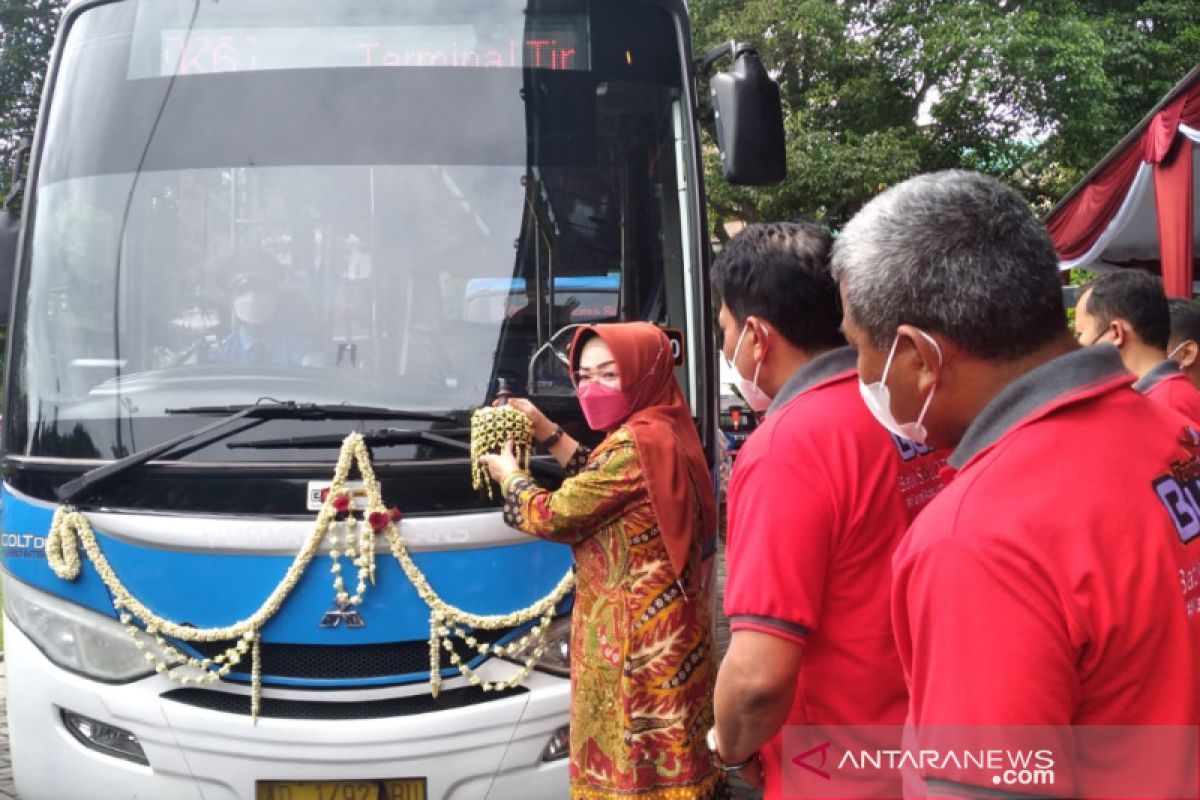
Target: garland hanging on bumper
70 528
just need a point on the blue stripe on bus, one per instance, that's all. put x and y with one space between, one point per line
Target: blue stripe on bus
215 590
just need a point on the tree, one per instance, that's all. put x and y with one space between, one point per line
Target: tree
26 34
1032 91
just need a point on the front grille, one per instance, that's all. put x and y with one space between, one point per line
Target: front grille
229 703
349 662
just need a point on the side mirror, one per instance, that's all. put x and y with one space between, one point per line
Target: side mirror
10 227
10 230
550 367
748 116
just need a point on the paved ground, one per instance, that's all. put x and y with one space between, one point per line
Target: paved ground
740 790
6 781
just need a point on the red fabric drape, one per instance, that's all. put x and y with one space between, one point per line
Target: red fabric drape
1173 192
1076 226
1160 135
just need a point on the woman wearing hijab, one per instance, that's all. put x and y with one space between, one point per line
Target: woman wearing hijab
635 511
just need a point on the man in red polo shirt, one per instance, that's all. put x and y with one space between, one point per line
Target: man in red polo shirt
818 499
1055 581
1130 310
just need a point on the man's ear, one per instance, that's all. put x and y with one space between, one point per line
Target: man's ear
930 350
1189 351
1121 332
762 337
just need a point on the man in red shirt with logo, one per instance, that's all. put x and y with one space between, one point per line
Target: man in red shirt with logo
1052 582
818 499
1130 310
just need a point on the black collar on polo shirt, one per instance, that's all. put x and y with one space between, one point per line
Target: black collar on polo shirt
1157 374
1036 388
813 372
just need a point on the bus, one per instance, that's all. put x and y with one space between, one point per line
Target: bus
252 229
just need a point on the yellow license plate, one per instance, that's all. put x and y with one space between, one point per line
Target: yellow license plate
394 789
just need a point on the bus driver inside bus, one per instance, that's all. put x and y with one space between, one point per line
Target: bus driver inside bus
261 331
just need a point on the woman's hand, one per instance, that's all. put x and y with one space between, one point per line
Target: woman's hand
501 465
543 428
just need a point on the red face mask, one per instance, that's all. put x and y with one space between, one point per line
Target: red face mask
604 407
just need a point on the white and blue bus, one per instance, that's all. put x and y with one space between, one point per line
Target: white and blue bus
251 227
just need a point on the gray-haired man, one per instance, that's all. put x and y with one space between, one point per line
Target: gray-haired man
1042 586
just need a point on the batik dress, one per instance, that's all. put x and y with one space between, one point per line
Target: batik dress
642 658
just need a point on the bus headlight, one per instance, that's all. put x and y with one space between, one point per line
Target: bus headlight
75 638
556 649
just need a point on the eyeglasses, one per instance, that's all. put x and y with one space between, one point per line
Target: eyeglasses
606 375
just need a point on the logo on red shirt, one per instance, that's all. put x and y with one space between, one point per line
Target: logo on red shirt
909 449
1179 488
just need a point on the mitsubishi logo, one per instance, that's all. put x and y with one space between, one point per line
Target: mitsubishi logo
341 612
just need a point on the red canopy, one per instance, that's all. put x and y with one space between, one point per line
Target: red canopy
1138 205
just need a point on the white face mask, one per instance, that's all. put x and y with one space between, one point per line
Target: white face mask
1178 347
755 397
254 307
879 399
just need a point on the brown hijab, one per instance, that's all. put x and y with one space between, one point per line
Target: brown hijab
661 423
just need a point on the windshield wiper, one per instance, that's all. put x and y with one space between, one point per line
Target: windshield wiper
383 437
386 437
219 430
323 411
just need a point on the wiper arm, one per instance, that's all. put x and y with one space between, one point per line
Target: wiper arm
215 432
386 437
324 411
377 438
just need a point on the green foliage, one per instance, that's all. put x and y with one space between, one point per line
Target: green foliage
1032 91
26 34
1080 277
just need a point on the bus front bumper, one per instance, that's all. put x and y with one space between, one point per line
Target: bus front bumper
490 751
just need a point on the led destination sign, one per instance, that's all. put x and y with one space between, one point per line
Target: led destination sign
559 44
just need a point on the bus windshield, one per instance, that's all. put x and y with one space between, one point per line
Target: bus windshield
360 201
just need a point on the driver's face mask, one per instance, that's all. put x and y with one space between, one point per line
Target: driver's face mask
254 307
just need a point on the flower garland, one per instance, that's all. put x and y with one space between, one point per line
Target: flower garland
70 528
492 428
